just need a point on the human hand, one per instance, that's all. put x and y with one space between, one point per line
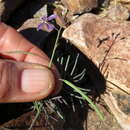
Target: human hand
23 79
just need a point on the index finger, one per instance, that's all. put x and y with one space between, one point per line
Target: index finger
11 40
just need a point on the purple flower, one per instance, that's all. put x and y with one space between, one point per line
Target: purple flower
46 23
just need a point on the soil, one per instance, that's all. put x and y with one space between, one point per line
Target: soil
19 116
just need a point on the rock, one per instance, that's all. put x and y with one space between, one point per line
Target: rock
30 23
29 27
7 7
93 122
118 12
36 20
125 3
24 122
79 6
107 44
41 12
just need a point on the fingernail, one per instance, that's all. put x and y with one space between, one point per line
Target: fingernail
36 80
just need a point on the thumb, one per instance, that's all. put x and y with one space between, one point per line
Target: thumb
24 82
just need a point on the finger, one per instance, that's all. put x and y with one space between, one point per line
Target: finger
11 40
24 82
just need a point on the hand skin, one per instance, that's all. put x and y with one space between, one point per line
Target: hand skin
23 78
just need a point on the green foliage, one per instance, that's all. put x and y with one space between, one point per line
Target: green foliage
85 97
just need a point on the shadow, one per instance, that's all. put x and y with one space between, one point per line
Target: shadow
73 110
34 36
101 4
11 111
24 11
75 113
9 7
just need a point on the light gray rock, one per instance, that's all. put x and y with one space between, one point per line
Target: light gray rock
79 6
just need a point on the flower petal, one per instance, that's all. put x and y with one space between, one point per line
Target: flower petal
40 26
50 27
51 17
44 18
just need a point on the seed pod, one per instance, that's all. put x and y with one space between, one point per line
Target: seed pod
79 6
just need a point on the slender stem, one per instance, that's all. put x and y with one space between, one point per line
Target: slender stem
38 108
55 46
22 52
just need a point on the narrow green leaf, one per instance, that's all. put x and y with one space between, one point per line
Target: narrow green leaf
85 97
22 52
